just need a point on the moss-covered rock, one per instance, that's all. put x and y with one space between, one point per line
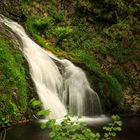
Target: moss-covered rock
16 88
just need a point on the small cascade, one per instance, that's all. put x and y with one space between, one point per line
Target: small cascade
82 100
61 86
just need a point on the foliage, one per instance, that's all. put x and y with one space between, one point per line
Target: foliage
4 122
72 129
123 78
118 31
43 113
108 85
11 66
26 1
53 10
34 24
69 129
35 106
35 103
112 128
13 94
62 32
13 110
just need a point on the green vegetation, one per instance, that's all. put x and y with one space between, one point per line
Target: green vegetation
73 129
101 36
112 128
35 103
13 94
71 39
35 107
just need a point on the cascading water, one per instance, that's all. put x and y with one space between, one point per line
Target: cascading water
57 89
77 92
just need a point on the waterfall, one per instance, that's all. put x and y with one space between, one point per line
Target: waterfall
61 86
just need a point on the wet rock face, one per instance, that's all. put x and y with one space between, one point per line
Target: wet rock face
5 31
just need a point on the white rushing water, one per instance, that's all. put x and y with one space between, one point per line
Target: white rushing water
59 83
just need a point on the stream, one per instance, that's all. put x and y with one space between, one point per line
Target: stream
32 131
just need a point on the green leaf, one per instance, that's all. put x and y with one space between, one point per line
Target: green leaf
107 128
35 103
52 134
43 113
113 134
43 125
119 129
98 135
106 135
115 117
119 123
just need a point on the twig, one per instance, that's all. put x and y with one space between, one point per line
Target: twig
4 134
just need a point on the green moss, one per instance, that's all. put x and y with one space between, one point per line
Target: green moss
120 75
118 31
12 79
115 89
26 1
107 87
34 25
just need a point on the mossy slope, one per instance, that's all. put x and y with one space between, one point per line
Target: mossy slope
101 36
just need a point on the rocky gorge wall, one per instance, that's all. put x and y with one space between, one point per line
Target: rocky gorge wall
102 37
